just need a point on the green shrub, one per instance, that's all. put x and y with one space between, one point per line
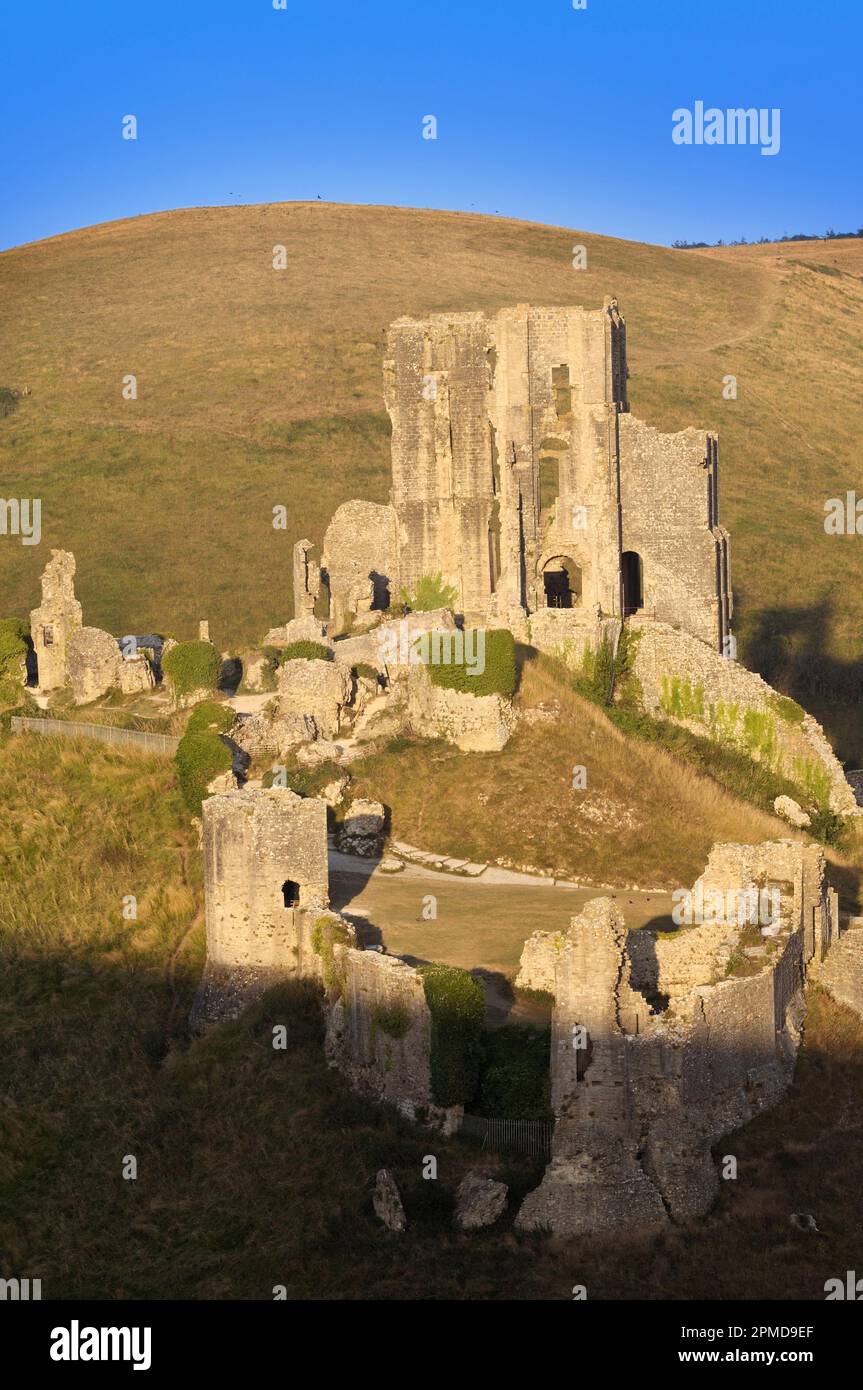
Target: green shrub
192 666
457 1004
8 401
431 592
308 651
369 672
515 1079
498 676
13 643
828 827
13 650
200 757
597 671
210 716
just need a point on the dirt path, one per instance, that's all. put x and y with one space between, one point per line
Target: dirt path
478 925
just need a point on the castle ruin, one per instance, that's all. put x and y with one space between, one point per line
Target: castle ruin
520 477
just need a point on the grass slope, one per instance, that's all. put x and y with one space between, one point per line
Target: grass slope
260 387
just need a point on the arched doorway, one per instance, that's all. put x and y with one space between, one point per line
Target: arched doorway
633 588
561 578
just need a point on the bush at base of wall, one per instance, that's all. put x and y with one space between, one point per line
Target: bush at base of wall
308 651
516 1080
192 666
498 676
210 717
200 757
457 1005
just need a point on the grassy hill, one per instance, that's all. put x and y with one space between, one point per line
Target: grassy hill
259 387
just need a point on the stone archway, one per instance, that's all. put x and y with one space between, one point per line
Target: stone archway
562 582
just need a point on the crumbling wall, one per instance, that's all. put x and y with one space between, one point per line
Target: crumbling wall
95 664
314 690
379 1034
56 618
841 974
307 581
474 723
361 561
477 401
670 519
690 683
642 1086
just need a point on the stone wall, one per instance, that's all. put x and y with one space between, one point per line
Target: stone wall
670 519
686 681
661 1046
56 618
361 560
262 850
379 1034
474 723
95 664
569 633
841 974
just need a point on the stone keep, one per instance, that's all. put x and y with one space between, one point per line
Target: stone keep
56 618
265 852
518 474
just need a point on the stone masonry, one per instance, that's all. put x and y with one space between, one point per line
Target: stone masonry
56 618
266 877
660 1046
519 477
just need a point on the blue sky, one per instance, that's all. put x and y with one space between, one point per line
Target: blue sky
544 112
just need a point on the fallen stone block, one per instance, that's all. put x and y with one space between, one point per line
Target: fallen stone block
479 1201
387 1202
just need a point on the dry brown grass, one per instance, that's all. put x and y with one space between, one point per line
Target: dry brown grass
645 817
260 387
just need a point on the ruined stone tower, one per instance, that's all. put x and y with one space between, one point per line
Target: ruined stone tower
520 477
265 864
56 619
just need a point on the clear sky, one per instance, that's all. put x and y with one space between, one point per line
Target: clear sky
544 112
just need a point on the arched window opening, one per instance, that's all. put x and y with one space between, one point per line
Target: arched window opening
291 893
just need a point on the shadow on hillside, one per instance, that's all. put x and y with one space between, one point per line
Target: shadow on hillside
788 646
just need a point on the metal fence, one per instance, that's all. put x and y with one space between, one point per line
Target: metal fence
162 744
522 1136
